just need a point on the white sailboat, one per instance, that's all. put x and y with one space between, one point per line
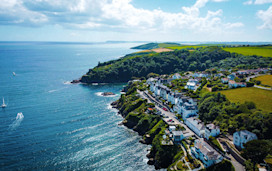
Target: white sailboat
3 105
13 73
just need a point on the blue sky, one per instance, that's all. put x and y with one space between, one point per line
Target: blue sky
136 20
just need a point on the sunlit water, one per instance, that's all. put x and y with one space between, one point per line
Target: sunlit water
62 126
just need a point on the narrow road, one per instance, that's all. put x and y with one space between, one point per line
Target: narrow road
264 88
169 115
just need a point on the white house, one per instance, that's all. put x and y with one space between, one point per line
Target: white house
150 80
196 125
206 153
233 84
211 130
192 84
188 110
242 137
172 128
224 80
177 136
231 76
176 76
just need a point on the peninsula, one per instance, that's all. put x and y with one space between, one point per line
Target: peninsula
181 102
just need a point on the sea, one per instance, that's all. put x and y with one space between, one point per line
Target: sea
50 124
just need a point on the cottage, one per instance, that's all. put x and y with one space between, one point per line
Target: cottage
206 153
176 76
192 84
242 137
211 130
151 80
224 80
196 125
231 77
233 84
177 136
242 72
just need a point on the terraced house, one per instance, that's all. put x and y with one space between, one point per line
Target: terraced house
205 153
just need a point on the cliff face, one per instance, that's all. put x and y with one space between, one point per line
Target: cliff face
150 126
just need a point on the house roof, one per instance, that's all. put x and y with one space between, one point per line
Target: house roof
196 123
206 149
246 132
232 82
211 126
172 127
191 83
177 133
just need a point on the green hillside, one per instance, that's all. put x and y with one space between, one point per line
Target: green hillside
155 45
134 65
265 51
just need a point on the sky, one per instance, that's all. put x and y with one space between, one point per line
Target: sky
136 20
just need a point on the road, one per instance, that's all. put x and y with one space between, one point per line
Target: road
264 88
168 115
260 87
238 166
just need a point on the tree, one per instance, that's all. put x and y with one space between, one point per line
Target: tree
153 75
257 150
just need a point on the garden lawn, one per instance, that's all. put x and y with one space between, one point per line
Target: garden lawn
262 98
265 51
265 79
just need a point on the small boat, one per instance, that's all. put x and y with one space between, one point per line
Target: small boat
13 73
3 105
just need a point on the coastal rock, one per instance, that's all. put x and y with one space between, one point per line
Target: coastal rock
151 161
75 81
149 155
107 94
114 104
142 141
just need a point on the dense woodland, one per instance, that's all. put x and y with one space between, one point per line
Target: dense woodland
140 65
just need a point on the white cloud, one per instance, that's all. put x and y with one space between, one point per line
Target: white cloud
266 17
234 25
113 15
262 1
257 2
249 2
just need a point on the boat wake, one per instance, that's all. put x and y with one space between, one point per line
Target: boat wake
67 82
51 91
17 122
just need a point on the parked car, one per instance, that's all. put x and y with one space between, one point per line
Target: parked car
164 109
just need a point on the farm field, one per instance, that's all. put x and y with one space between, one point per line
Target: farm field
265 79
183 47
262 98
265 51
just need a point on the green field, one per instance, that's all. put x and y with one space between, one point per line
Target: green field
262 98
265 79
265 51
183 47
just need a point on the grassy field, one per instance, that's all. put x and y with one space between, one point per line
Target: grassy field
265 79
265 51
183 47
262 98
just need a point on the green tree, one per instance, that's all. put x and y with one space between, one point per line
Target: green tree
257 150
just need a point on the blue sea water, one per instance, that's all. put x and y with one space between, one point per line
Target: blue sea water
62 126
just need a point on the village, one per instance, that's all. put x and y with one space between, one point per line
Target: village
203 143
